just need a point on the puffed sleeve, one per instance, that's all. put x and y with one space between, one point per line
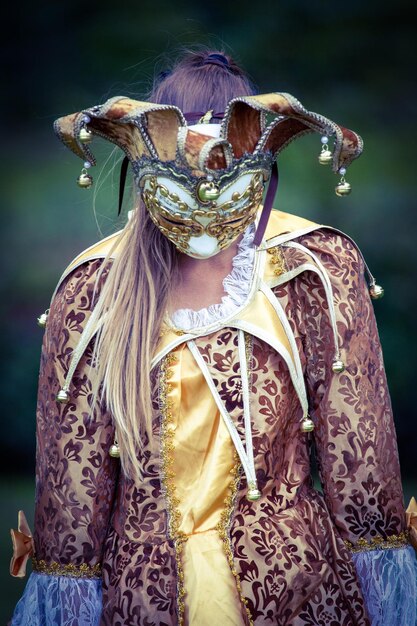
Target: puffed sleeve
354 432
76 477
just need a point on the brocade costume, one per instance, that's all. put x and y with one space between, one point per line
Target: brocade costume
185 545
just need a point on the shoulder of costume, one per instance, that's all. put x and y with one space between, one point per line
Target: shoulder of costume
284 226
98 250
282 231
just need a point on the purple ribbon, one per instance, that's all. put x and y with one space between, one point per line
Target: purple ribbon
269 199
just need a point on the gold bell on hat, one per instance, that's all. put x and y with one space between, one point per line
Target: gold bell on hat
85 136
42 319
63 396
115 450
325 156
307 425
376 291
84 180
253 492
343 188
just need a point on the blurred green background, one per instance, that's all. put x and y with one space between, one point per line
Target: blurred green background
353 62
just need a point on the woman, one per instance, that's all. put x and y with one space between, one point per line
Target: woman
190 363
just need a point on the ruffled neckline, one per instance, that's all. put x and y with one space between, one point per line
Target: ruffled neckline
236 285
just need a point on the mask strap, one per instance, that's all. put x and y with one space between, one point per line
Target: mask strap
269 200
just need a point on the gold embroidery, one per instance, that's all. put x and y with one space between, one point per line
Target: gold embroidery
167 328
378 543
277 260
56 569
167 448
248 352
222 528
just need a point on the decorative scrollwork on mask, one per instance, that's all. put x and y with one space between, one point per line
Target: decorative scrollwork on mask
180 216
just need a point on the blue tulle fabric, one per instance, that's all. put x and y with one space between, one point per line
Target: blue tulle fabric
59 601
388 579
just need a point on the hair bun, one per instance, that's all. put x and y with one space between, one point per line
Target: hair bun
216 58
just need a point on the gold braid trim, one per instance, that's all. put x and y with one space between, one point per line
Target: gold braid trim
56 569
167 448
222 528
277 260
378 543
167 328
248 352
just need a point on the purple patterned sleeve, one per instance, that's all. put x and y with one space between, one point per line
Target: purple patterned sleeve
75 476
354 432
354 429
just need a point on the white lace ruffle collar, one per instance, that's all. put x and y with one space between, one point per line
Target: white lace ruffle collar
236 285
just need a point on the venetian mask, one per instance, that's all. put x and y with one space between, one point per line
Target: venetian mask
203 215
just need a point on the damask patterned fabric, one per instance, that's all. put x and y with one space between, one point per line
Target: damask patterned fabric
297 557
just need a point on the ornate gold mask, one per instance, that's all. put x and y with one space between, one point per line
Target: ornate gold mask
208 217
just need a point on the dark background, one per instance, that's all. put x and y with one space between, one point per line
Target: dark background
353 62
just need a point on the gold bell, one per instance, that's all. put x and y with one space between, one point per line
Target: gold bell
343 188
207 191
42 319
85 136
376 291
84 180
63 396
338 366
253 492
325 157
307 425
115 450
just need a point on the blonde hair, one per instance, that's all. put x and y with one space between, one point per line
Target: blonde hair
133 299
136 291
